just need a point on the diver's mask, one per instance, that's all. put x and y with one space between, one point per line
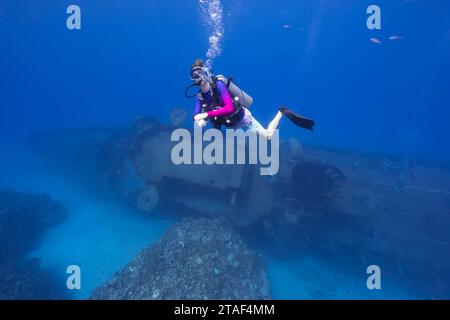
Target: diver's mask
200 73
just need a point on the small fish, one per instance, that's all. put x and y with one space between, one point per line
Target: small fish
287 26
395 38
375 40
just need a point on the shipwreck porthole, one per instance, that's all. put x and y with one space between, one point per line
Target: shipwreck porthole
148 199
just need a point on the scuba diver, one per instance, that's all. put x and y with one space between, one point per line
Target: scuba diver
222 102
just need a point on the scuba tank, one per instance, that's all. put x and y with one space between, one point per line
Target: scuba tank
239 95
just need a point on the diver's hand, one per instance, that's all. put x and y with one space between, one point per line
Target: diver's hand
200 116
201 123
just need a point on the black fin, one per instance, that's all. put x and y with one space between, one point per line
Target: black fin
298 120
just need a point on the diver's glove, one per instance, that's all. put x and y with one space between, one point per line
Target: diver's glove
201 123
200 116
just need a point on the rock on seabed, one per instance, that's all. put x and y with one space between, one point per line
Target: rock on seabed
196 259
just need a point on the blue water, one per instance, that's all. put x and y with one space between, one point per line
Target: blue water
131 58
